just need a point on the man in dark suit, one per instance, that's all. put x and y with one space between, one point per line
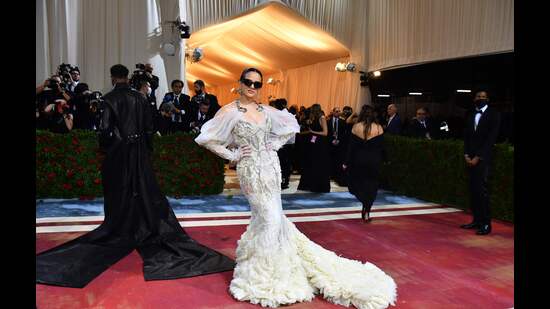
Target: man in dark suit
197 120
181 105
394 124
481 132
202 95
420 126
336 131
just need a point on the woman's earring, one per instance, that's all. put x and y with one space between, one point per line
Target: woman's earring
240 91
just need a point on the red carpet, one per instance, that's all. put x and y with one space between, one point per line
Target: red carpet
434 263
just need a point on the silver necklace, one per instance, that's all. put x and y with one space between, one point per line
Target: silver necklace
259 107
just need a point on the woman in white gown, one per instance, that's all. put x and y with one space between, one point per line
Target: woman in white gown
276 263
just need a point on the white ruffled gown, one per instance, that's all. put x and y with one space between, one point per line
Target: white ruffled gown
276 263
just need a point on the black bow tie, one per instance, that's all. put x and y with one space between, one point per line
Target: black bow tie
479 111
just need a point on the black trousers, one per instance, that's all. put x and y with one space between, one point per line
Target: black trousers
285 159
479 194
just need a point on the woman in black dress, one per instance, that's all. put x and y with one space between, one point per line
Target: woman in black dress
364 158
316 165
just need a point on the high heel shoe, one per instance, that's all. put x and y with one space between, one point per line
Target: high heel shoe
366 213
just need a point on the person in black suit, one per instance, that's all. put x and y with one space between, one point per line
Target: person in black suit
202 95
137 213
393 125
336 131
421 126
197 120
481 132
181 106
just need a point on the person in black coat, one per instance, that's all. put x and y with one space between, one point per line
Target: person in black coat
394 124
481 132
197 120
137 214
316 164
202 95
336 131
421 126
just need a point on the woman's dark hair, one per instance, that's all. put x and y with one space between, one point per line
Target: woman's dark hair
315 113
367 116
292 110
246 71
280 104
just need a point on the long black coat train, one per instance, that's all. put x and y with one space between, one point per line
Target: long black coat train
137 214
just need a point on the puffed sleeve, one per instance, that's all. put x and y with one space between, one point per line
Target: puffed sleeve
216 133
284 127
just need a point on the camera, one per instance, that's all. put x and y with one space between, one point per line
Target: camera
168 107
96 101
140 74
61 107
64 71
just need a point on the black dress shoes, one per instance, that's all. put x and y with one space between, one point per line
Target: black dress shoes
468 226
484 229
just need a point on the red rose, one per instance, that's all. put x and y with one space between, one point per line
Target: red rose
46 149
67 186
51 176
70 173
75 141
80 183
97 181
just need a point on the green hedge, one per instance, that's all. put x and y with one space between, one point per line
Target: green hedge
69 166
435 170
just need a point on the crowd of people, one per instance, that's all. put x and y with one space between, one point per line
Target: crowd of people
64 103
319 152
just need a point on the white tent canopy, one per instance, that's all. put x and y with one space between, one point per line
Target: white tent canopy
284 40
271 37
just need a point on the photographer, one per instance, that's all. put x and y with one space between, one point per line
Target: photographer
203 115
180 102
52 88
165 125
154 82
64 72
144 82
59 118
75 75
86 108
201 95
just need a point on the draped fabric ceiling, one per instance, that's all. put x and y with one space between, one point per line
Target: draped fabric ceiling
272 38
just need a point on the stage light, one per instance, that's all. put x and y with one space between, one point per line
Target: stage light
464 90
415 93
169 49
340 67
377 73
350 66
383 95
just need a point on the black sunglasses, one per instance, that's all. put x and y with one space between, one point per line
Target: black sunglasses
249 83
